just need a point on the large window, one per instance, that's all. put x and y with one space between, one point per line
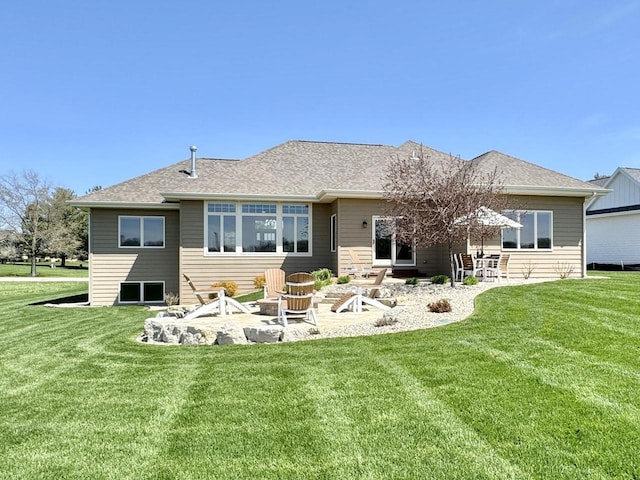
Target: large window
141 231
141 292
258 228
221 227
295 229
536 232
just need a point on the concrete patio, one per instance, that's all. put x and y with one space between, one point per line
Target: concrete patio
206 326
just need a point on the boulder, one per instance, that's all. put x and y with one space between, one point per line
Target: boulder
169 329
231 334
271 334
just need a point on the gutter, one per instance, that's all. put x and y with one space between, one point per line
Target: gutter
177 196
140 205
555 191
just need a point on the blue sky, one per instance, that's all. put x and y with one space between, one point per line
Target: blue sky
97 92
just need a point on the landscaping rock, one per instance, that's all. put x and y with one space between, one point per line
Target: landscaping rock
231 334
271 334
168 329
293 334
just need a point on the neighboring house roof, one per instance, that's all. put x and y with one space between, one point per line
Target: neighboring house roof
624 184
601 182
315 171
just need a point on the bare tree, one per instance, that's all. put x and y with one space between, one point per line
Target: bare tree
439 202
23 203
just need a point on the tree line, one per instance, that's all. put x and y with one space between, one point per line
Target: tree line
37 221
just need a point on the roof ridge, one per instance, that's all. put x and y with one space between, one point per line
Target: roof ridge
342 143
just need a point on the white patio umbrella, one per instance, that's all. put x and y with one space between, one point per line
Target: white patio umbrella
490 218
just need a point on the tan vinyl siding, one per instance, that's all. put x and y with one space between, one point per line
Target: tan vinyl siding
242 268
351 213
351 235
567 240
111 265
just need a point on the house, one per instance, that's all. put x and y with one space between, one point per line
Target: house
302 206
613 221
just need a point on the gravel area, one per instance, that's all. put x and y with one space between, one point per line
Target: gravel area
412 312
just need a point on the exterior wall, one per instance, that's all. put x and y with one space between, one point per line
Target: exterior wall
184 248
626 191
205 270
613 238
109 265
568 235
351 213
566 254
351 236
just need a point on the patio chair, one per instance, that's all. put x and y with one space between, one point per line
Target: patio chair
274 282
357 267
353 300
459 270
499 268
469 266
203 296
298 300
221 303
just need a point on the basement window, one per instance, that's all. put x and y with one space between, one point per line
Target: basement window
141 292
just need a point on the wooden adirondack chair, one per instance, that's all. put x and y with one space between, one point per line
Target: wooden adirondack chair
353 301
299 298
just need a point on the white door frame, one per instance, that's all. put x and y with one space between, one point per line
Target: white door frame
392 261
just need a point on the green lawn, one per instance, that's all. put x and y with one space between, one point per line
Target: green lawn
542 382
73 269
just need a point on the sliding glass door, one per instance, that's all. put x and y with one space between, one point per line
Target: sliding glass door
387 251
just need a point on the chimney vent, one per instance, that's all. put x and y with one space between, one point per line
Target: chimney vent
193 173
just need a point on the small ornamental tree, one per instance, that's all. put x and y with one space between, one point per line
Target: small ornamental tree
438 202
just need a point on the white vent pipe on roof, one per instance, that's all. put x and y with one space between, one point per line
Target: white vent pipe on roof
193 173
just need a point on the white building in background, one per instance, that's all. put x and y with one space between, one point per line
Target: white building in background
613 220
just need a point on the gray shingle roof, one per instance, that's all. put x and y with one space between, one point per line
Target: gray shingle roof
306 169
632 172
601 182
515 172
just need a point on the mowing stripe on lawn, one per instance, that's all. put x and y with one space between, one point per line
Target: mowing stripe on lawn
454 433
582 385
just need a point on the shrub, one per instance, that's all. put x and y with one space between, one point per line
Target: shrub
171 298
470 280
527 270
259 282
564 270
440 306
440 279
385 321
230 288
412 281
344 279
322 277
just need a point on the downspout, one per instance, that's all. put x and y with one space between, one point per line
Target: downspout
587 201
193 173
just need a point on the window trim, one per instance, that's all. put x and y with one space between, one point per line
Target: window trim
279 228
141 219
535 232
142 283
333 237
221 214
